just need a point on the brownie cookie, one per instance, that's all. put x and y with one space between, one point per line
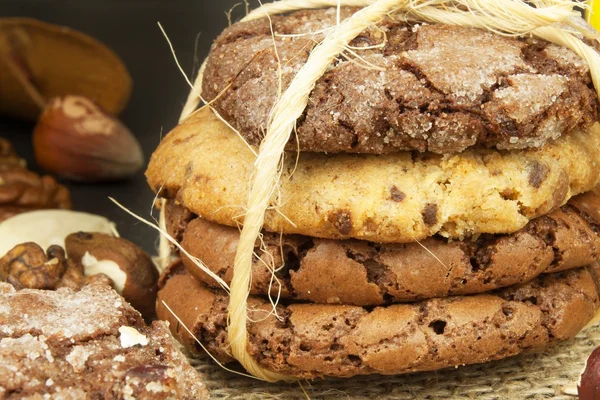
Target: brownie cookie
87 344
435 88
176 220
366 273
312 340
400 197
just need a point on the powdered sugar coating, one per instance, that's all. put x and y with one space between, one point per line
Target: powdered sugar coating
421 87
51 355
62 314
527 94
463 67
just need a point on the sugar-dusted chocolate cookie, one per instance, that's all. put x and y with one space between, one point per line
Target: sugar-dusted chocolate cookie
312 340
88 344
365 273
400 197
436 88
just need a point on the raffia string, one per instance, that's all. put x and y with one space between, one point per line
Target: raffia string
551 20
288 109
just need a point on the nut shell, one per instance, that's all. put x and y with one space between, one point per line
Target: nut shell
140 287
39 61
589 385
49 227
77 140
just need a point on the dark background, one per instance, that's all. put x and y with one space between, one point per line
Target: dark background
130 28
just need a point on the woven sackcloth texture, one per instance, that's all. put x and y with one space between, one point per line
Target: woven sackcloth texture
530 376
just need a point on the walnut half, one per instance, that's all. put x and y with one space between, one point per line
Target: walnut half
27 266
93 258
22 190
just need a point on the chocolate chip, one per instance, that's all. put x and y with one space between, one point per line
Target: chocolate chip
148 372
537 174
430 214
84 236
396 194
370 225
509 194
561 190
342 220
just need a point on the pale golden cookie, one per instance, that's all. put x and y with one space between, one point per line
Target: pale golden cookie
396 197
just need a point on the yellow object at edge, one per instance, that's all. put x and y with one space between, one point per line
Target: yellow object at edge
592 14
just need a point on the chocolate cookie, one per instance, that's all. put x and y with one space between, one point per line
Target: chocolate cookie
366 273
87 345
311 340
399 197
435 88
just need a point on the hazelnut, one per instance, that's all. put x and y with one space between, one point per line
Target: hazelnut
134 275
75 139
39 61
588 387
27 266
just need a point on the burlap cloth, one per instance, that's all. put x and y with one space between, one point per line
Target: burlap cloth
530 376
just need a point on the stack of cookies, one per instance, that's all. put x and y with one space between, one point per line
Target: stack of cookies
437 205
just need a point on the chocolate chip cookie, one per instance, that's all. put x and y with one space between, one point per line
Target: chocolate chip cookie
400 197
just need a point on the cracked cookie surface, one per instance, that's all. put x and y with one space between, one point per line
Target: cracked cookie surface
435 88
365 273
67 344
312 340
394 198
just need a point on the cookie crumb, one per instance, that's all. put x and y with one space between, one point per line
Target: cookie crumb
131 337
570 389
